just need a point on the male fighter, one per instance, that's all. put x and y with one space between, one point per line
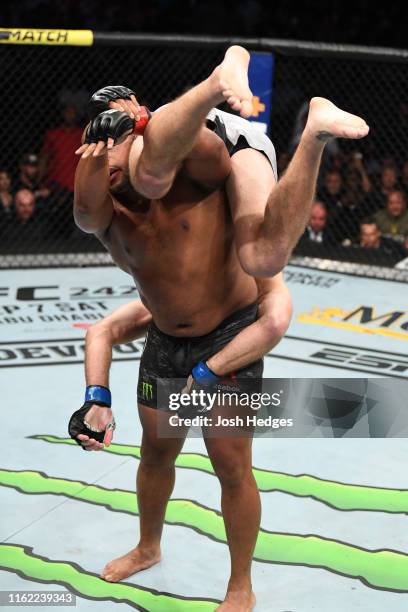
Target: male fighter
164 217
132 321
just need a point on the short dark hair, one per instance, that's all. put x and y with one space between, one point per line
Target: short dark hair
368 221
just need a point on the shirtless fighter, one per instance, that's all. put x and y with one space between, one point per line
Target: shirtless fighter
132 321
158 204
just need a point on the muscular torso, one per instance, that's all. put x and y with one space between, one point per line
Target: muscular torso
181 254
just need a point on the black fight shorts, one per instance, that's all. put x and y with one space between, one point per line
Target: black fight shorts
167 361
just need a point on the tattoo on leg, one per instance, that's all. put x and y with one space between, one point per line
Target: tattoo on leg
322 135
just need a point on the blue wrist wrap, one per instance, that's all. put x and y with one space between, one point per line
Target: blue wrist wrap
98 394
202 374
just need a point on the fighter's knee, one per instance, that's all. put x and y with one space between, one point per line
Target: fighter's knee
155 456
274 325
152 185
263 264
230 468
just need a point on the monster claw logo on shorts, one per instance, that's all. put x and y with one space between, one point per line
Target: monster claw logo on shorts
147 390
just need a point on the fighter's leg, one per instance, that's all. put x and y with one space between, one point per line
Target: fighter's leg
173 130
231 458
268 231
155 482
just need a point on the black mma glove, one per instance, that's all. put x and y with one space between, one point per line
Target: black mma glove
101 98
77 425
109 124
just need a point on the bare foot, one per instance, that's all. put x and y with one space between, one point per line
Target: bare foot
238 601
134 561
231 78
326 121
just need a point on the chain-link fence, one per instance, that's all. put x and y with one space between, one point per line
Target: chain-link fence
362 185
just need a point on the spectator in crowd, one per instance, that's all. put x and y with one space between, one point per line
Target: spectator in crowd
6 196
29 177
357 165
393 220
57 165
58 160
357 185
25 206
282 161
332 191
373 163
371 238
404 178
389 179
6 203
346 225
337 162
27 224
317 230
354 205
388 183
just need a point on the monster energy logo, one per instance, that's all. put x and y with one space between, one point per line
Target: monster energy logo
147 390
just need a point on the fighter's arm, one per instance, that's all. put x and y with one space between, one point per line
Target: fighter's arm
124 324
130 322
253 342
93 206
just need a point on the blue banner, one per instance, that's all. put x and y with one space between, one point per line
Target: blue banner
261 82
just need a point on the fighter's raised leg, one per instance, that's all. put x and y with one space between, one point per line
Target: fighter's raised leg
173 130
267 235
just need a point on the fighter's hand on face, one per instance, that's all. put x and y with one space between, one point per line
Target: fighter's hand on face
97 149
104 131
